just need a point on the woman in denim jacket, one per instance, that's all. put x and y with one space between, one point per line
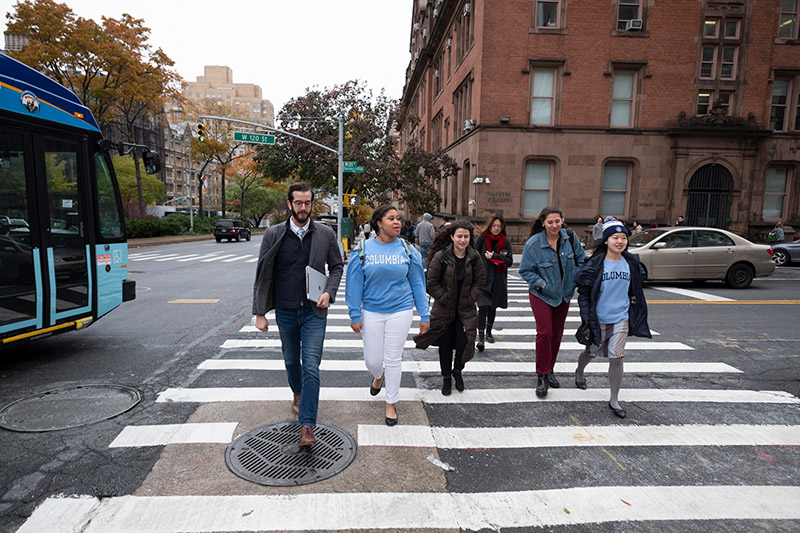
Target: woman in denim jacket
551 259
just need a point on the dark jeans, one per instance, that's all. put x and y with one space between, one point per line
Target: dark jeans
302 334
454 338
484 312
549 329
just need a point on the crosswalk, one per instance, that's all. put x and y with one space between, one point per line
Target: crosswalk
503 458
160 257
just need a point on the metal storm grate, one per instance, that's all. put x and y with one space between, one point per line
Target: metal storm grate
271 455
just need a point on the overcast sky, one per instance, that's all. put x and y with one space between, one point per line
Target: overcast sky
283 46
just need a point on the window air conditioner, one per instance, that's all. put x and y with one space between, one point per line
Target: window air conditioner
416 56
435 73
424 32
633 25
469 124
466 9
416 26
435 11
449 42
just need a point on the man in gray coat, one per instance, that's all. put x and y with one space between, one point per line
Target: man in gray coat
286 250
425 233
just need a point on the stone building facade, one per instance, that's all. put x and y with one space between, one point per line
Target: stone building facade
642 109
244 99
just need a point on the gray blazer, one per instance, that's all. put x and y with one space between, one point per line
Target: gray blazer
324 249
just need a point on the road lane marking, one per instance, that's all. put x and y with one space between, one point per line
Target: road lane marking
694 294
254 260
414 510
194 301
217 258
238 258
506 332
160 435
479 396
732 302
356 343
568 436
476 367
198 257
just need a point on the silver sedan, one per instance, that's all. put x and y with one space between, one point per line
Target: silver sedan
697 253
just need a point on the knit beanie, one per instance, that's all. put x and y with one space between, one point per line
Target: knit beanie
611 226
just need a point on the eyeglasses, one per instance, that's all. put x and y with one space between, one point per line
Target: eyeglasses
302 204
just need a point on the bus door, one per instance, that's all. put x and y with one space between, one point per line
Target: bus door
21 273
62 173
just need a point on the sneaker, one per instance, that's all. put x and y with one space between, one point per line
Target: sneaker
307 436
296 405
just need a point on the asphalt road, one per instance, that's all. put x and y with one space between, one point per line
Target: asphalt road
515 463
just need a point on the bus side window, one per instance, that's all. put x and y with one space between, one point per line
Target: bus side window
107 209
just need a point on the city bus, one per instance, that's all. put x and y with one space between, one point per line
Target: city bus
63 249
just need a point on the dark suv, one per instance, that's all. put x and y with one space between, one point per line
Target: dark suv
231 229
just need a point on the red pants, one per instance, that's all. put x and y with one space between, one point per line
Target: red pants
549 329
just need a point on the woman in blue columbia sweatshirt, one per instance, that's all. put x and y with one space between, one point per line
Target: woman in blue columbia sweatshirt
385 279
550 260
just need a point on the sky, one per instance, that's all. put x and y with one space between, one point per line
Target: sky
283 46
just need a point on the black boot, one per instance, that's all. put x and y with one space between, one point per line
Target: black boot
541 385
489 336
447 385
480 344
552 381
459 381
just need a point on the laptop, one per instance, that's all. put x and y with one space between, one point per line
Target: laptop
316 282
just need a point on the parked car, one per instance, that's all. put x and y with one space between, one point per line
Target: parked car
700 254
786 253
231 229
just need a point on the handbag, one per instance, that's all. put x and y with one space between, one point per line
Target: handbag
584 334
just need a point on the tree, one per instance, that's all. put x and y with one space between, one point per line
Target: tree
417 175
153 188
243 176
263 201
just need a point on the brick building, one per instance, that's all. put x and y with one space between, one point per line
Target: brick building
643 109
216 85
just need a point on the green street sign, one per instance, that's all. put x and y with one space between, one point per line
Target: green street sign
256 138
352 166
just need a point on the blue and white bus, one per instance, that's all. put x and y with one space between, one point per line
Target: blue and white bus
63 249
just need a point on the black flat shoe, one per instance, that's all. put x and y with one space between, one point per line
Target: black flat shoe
580 384
391 421
552 382
619 412
372 390
459 381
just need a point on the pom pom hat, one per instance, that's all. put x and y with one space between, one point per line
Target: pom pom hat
611 226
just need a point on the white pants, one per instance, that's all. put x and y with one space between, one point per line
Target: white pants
384 336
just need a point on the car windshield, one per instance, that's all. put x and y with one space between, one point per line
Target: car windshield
640 239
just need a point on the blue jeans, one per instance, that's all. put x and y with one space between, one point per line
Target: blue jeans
302 334
423 251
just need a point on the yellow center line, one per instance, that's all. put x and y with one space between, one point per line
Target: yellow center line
727 302
189 301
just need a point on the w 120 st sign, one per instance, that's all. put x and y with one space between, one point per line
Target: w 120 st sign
257 138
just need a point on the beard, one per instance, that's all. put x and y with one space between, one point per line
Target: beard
301 218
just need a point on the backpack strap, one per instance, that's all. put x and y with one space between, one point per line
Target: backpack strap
360 250
406 247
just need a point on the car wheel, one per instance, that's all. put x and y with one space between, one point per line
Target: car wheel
230 239
248 238
780 258
238 239
219 239
739 276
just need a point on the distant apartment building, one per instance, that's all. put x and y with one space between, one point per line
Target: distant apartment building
217 86
642 109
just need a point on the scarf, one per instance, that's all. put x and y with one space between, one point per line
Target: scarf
499 244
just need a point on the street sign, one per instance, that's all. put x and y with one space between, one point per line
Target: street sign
352 166
256 138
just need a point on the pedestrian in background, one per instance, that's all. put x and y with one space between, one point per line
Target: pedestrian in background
367 230
455 279
680 221
495 248
550 261
408 231
777 234
425 234
637 228
597 231
385 280
611 299
286 250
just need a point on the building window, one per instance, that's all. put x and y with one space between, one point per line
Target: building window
775 192
623 99
711 28
436 132
628 10
732 29
438 75
707 99
465 30
547 14
615 188
707 61
780 102
728 63
542 105
787 26
537 187
462 108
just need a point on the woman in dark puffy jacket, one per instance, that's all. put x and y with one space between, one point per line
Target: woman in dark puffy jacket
455 279
611 300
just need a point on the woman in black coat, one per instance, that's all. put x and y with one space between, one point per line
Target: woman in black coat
454 279
494 247
611 300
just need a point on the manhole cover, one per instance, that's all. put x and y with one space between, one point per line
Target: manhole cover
69 407
270 455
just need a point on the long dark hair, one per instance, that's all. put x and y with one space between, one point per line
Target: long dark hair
378 215
444 236
489 221
538 224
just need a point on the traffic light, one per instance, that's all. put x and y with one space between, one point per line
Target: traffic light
201 132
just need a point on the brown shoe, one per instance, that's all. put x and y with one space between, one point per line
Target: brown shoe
307 436
296 404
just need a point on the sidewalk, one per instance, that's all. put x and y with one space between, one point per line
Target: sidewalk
174 239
